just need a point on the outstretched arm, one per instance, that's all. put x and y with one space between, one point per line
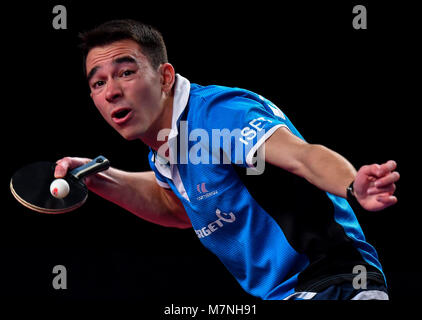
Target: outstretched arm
137 192
374 185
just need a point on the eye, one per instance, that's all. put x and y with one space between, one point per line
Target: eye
127 73
98 84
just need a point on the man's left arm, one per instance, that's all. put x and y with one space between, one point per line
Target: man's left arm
373 185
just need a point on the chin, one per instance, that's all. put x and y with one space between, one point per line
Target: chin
129 136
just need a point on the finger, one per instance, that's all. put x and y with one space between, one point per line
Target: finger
388 167
387 180
387 200
387 189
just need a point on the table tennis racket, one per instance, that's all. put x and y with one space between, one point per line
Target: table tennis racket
30 186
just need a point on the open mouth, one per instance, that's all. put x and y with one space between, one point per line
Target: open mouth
122 115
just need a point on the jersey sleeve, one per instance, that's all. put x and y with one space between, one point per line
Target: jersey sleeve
161 180
243 121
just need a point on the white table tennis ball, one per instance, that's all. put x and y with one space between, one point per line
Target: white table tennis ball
59 188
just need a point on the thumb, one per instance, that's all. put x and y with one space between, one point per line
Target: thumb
371 170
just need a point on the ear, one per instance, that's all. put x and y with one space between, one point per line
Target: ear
167 77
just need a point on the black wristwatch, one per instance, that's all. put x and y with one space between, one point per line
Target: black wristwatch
351 197
351 190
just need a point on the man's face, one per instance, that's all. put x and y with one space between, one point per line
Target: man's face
124 87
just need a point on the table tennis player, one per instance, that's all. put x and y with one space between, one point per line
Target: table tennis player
290 232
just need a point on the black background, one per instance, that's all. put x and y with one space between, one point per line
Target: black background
353 91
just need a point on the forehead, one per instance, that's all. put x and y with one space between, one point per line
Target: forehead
99 56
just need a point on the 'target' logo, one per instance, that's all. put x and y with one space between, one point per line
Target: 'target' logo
217 224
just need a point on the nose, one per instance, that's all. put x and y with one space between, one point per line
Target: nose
113 91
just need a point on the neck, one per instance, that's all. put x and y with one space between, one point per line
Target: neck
163 122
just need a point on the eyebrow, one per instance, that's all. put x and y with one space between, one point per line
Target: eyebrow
124 59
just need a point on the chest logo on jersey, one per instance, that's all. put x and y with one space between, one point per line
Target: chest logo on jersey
223 219
202 189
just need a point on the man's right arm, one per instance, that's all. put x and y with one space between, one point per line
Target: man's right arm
137 192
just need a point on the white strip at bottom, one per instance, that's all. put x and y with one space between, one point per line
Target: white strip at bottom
301 295
364 295
371 295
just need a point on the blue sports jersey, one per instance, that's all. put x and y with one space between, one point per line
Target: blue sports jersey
276 233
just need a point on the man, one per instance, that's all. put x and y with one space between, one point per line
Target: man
299 239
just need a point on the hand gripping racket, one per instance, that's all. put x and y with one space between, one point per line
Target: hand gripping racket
30 186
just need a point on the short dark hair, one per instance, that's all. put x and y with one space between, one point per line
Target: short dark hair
150 39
